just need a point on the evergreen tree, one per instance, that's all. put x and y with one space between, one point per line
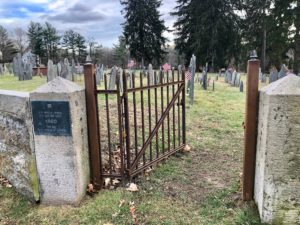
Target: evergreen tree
51 41
35 37
75 43
143 30
7 47
209 29
120 52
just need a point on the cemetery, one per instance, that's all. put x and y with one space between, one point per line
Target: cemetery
202 128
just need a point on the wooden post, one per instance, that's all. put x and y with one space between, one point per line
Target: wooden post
93 125
250 129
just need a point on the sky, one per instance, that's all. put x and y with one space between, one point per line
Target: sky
98 19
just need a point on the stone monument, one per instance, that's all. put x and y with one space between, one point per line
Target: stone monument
61 144
277 184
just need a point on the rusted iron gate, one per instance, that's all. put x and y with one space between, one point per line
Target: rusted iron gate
139 122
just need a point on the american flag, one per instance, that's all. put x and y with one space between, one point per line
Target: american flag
166 67
188 75
130 64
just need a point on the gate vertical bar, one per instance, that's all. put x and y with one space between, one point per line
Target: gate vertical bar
250 129
120 120
183 109
126 114
93 125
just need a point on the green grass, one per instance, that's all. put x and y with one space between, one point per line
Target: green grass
201 187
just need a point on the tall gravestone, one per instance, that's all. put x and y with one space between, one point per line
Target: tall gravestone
273 75
151 74
193 71
61 143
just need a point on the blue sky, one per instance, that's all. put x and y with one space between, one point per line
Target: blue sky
98 19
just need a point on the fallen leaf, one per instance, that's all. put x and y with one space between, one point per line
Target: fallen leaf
132 187
121 203
187 148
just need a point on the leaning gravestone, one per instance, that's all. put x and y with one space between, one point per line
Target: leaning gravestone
112 78
50 71
61 143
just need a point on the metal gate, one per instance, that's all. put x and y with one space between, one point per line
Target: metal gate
134 121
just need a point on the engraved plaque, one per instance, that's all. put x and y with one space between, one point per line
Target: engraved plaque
51 118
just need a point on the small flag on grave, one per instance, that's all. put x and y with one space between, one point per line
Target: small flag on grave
166 67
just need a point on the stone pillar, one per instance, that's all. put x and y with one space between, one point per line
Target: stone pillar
61 144
277 176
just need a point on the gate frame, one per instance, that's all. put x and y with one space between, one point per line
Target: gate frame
127 171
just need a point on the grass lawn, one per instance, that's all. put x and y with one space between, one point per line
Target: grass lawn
200 187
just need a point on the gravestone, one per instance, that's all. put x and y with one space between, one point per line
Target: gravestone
241 86
61 143
237 80
204 77
263 78
99 74
282 72
273 75
151 74
112 78
50 71
66 70
59 69
1 69
193 71
234 75
73 70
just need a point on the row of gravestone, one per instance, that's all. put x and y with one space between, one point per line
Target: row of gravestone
275 75
112 76
63 69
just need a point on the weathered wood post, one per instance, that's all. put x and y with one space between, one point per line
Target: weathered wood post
93 124
250 128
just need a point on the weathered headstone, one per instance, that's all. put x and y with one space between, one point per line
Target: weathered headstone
282 72
234 75
193 71
50 71
237 80
66 70
263 78
151 74
273 75
99 74
59 69
112 78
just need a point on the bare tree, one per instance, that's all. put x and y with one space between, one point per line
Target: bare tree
20 39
